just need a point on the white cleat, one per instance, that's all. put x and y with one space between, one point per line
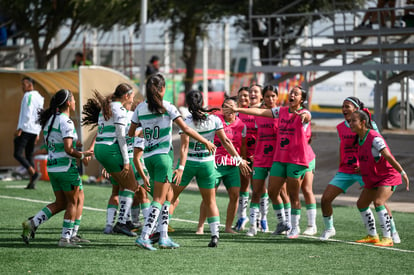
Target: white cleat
252 232
396 237
310 230
327 234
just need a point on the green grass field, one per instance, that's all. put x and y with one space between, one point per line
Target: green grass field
236 254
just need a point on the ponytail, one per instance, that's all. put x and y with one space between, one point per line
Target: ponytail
194 100
155 84
57 102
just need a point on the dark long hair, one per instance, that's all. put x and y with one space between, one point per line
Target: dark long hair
364 115
269 88
356 102
194 100
99 103
155 83
57 104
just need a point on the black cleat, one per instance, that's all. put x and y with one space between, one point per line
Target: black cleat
154 237
213 242
123 229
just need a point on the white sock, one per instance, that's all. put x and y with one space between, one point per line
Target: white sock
42 216
280 215
125 202
244 201
369 221
288 210
311 214
214 223
384 220
253 216
152 218
110 215
295 220
135 210
67 229
163 220
264 206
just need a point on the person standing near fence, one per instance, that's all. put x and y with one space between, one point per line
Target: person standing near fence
28 129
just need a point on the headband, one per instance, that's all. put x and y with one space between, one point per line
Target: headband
353 102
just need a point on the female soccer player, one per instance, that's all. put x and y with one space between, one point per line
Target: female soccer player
111 150
156 116
293 152
348 172
60 136
381 174
196 161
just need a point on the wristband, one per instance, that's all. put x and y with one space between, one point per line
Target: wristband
403 173
82 156
181 167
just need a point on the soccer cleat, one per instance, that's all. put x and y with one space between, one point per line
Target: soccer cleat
145 244
79 239
293 233
133 226
170 229
369 239
154 237
252 231
27 229
264 227
328 233
63 242
385 242
167 243
108 229
241 222
396 237
213 242
310 230
123 229
282 227
34 228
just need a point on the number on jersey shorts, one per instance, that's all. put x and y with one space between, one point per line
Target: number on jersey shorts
110 157
230 175
344 180
159 167
64 181
283 170
204 172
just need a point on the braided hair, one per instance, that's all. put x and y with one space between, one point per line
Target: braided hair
57 104
194 100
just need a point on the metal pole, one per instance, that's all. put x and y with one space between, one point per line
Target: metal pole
205 70
227 59
144 8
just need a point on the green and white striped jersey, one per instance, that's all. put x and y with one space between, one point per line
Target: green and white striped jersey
106 128
157 128
58 160
207 128
129 140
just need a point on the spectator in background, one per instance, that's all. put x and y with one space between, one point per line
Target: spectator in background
28 129
80 61
153 67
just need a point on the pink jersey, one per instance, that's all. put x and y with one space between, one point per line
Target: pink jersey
293 139
375 173
234 132
265 141
348 149
251 133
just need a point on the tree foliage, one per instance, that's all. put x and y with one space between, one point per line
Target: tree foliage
41 20
190 19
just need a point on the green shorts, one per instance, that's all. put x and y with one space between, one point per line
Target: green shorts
159 167
204 173
230 175
344 180
283 170
110 157
312 166
65 181
260 173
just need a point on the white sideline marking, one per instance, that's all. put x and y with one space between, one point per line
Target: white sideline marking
189 221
